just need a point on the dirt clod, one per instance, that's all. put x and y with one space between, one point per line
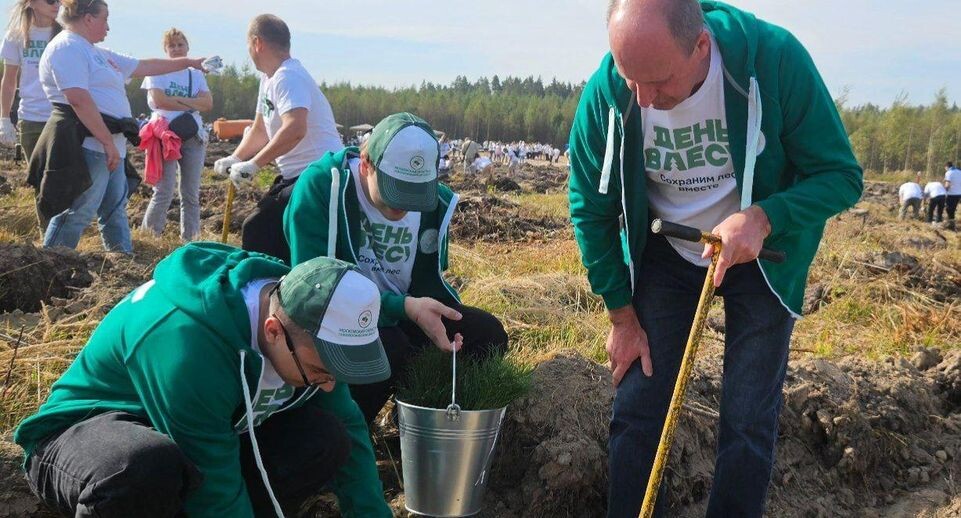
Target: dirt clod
30 275
487 217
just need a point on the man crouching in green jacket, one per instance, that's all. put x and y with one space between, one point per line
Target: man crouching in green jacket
381 207
211 390
705 116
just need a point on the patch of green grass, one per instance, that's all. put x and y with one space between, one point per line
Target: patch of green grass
265 178
482 384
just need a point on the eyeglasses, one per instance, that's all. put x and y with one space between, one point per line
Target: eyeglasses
290 347
290 344
52 2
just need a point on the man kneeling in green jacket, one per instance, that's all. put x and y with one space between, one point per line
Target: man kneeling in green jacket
211 390
381 207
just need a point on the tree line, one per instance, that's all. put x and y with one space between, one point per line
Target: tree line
904 137
901 137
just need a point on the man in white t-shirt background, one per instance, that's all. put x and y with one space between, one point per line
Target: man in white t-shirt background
952 183
934 194
294 126
909 196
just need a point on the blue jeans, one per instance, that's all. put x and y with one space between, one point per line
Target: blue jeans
758 331
106 198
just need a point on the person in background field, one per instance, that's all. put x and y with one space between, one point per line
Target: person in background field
471 152
170 96
294 126
33 23
693 117
909 195
952 183
481 165
513 161
935 194
79 178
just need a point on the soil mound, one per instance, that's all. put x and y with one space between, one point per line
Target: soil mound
855 436
30 276
529 178
940 282
491 218
880 192
553 452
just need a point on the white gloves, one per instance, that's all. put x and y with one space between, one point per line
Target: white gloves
8 133
213 64
222 166
243 172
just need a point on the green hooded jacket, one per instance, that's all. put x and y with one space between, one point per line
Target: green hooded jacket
791 157
318 224
177 352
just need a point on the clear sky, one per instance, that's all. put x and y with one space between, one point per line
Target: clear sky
874 48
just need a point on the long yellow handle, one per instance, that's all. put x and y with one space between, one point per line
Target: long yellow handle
680 388
231 190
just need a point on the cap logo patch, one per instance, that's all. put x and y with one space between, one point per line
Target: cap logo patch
417 163
365 319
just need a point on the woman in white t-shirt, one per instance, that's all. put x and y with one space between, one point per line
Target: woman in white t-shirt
32 24
90 79
169 96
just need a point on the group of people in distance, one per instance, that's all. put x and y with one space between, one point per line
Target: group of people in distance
239 382
939 197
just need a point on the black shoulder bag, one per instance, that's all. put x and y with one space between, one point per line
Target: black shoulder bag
185 125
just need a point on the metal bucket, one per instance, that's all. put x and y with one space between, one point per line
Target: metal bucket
446 461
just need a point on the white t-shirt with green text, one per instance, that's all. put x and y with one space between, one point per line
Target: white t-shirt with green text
690 174
176 84
387 248
34 105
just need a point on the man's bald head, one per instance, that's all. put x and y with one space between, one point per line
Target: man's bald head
660 48
683 19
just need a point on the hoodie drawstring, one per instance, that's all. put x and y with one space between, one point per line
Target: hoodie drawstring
754 115
332 215
253 437
608 153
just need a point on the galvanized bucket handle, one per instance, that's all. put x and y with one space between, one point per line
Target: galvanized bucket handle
453 410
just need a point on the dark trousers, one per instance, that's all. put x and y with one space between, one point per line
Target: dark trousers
263 230
116 465
951 205
936 208
758 331
482 332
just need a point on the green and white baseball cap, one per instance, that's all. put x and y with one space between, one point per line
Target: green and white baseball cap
339 307
405 152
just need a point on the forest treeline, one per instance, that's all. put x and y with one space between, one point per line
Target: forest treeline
903 136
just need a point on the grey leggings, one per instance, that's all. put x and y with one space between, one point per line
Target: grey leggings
190 166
